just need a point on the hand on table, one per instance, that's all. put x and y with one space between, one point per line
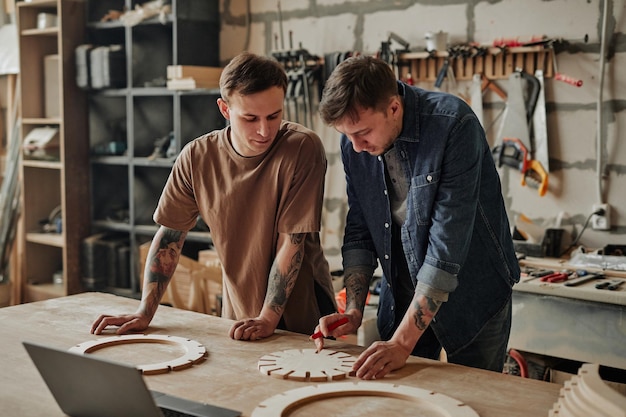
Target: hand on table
126 323
251 329
379 359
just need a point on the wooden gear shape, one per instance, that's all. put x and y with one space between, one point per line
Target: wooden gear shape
307 365
194 351
282 405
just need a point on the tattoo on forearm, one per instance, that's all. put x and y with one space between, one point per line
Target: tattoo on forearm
425 311
282 282
357 285
296 238
164 260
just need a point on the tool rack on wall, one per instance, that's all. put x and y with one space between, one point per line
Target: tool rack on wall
494 62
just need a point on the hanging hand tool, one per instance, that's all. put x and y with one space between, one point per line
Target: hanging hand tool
443 71
480 84
280 25
562 77
539 137
516 148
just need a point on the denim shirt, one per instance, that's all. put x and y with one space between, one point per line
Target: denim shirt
456 237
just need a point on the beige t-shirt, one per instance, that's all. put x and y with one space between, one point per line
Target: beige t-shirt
246 202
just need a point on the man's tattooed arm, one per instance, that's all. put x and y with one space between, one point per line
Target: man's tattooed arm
357 285
161 263
284 271
425 309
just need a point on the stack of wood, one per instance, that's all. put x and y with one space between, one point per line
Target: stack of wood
587 394
190 77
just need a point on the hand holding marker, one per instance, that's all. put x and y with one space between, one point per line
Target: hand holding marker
331 327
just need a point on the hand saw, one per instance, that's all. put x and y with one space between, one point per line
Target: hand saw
516 149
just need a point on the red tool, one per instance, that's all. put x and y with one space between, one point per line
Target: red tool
333 326
556 277
562 77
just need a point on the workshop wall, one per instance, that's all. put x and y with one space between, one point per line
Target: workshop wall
575 183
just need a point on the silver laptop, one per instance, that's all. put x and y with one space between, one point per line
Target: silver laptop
88 386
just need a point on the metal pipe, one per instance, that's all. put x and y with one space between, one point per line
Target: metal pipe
599 109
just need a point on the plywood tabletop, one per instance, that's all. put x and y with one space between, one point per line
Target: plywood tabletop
229 376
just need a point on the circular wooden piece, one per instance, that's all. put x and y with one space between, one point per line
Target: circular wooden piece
307 365
282 405
194 351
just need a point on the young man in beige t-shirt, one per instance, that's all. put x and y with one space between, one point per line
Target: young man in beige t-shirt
258 184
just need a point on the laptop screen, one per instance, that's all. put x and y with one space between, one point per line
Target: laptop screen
88 386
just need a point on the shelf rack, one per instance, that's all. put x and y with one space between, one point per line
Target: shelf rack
495 63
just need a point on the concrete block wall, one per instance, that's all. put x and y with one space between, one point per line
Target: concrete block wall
325 26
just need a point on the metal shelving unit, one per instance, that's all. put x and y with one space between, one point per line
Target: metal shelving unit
126 187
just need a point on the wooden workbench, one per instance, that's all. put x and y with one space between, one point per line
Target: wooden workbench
229 376
580 323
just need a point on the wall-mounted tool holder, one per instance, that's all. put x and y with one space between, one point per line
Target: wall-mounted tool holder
495 63
304 72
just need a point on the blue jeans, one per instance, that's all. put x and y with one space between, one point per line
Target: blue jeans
486 351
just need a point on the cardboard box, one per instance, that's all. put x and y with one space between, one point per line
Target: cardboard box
189 77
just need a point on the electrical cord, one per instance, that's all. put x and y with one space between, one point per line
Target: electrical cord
599 212
520 361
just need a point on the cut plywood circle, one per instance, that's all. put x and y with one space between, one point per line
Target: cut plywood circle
422 402
194 351
307 365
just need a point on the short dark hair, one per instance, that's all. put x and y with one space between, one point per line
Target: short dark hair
358 83
248 73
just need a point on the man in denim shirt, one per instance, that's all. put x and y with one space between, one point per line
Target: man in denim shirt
425 201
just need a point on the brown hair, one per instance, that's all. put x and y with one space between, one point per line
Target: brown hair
248 73
358 83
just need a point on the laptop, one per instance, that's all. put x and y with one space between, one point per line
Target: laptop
88 386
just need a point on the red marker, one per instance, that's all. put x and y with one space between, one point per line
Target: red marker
333 326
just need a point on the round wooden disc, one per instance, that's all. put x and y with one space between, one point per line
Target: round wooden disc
282 405
307 365
194 351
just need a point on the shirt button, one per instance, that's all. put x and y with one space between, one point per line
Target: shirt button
386 256
392 308
385 192
380 158
386 225
429 178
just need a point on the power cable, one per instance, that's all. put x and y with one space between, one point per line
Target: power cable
599 212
